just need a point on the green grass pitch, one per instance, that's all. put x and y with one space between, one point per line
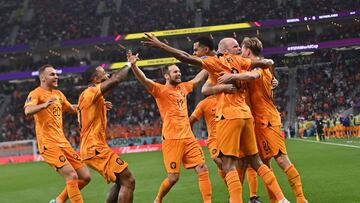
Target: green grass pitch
329 174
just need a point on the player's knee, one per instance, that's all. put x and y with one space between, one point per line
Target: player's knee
72 176
173 178
86 178
283 162
130 182
218 163
201 168
255 161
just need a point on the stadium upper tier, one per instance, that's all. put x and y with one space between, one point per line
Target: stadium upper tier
41 22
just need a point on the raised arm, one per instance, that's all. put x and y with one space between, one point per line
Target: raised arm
199 78
115 78
209 89
139 74
153 41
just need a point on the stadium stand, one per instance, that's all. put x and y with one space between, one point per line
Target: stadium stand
327 85
36 22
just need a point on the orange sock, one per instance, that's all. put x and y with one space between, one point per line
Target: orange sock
271 195
252 180
295 183
205 186
63 196
234 186
221 173
164 189
73 191
270 181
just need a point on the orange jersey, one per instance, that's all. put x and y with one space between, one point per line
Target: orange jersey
49 122
207 108
229 106
92 121
262 105
172 104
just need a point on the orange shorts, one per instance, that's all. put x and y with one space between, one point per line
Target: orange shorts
236 137
212 148
60 156
107 163
269 140
188 151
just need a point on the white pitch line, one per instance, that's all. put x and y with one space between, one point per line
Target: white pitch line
328 143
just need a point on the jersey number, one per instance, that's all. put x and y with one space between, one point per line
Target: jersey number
266 146
241 85
56 111
180 103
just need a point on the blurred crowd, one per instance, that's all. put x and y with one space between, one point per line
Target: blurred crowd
41 22
329 86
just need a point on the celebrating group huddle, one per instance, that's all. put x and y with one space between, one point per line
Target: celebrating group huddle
241 139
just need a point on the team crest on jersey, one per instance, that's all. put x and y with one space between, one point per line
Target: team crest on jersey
119 161
214 151
229 60
62 158
182 94
76 156
28 99
172 165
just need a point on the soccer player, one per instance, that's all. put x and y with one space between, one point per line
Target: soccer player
204 46
47 104
179 144
234 127
94 149
267 119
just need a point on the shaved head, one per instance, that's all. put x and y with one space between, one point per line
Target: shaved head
229 46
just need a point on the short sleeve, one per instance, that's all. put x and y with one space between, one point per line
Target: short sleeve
198 112
32 99
155 89
209 64
260 71
189 86
91 94
65 103
245 63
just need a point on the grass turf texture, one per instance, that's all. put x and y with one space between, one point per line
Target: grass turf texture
329 174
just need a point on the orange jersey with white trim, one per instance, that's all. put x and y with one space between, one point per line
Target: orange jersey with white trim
261 98
49 121
207 108
92 121
172 104
229 106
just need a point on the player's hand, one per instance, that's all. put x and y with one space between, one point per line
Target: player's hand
132 58
108 105
229 88
274 83
268 62
225 78
50 101
151 41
